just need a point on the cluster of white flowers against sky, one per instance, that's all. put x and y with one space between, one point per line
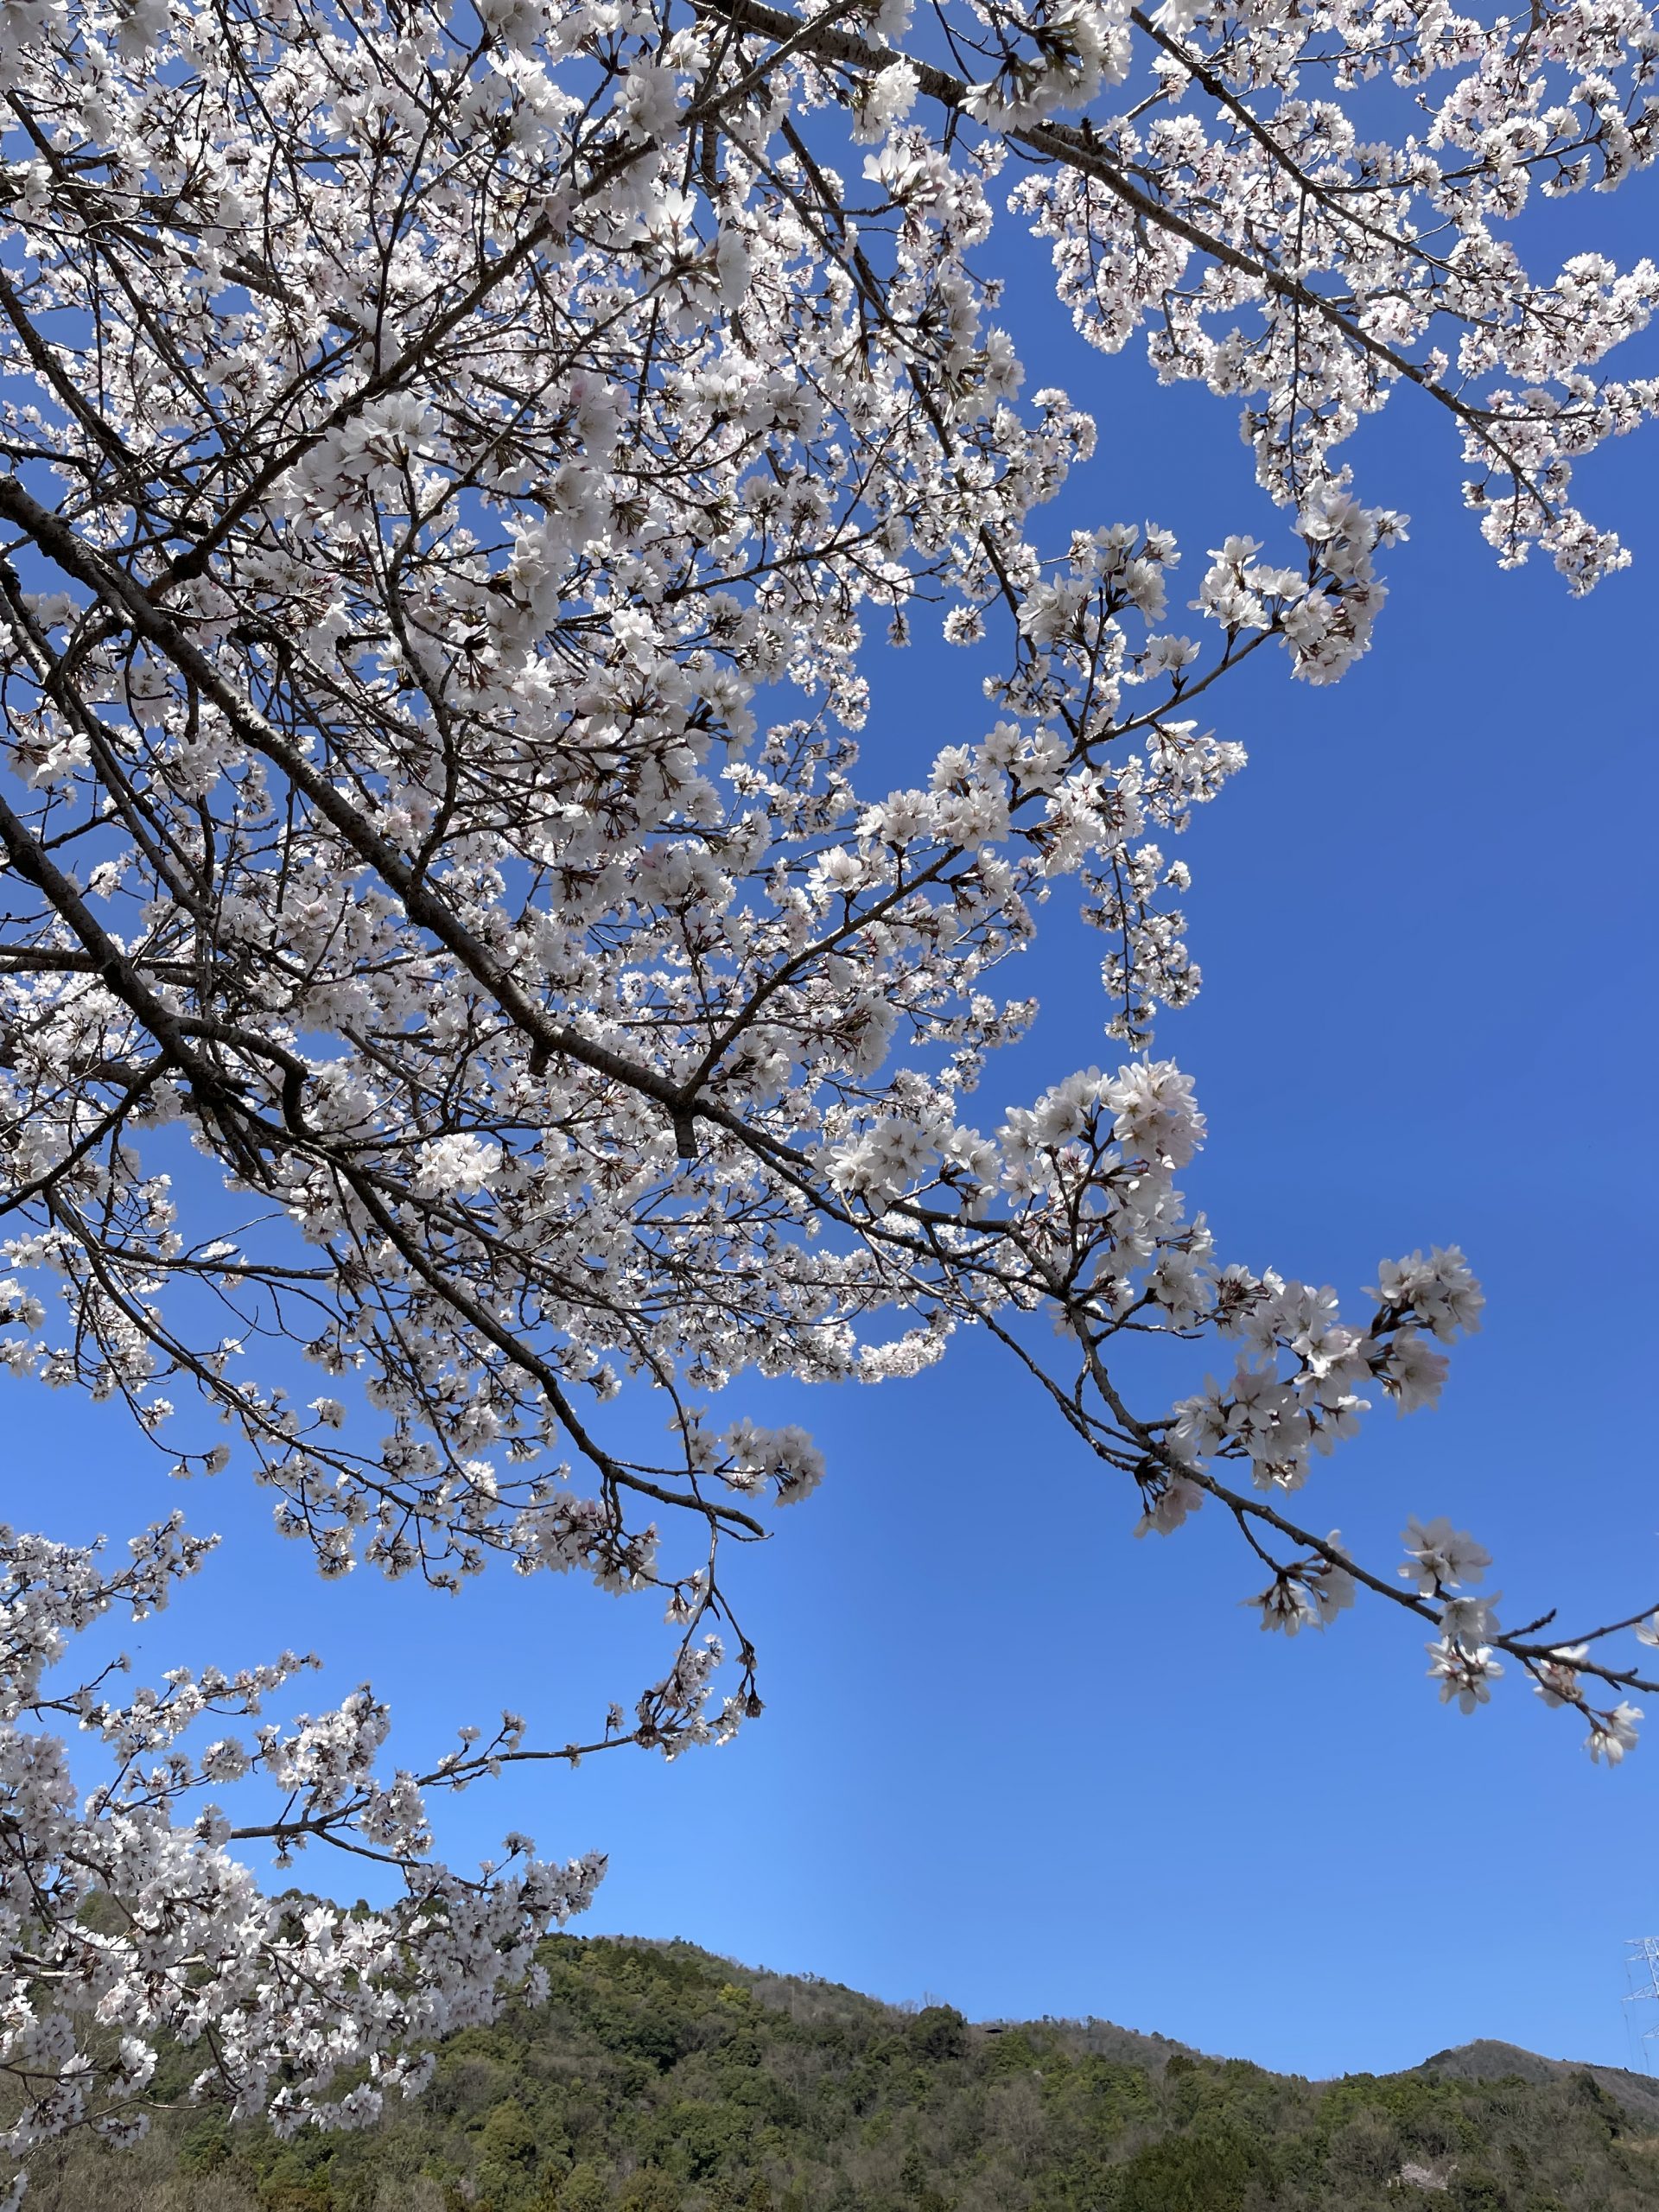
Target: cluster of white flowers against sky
489 1005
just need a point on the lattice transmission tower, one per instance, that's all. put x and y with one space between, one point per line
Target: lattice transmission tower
1642 1987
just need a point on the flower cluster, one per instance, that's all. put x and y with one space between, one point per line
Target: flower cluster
452 462
128 1920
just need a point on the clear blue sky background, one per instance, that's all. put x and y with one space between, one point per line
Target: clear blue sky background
1011 1757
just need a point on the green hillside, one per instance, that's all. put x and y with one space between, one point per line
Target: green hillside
662 2080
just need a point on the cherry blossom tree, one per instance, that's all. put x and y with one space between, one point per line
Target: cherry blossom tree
454 459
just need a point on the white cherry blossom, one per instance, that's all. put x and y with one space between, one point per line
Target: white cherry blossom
453 464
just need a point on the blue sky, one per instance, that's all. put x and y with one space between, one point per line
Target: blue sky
1011 1757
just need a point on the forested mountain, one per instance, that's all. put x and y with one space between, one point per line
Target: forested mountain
659 2079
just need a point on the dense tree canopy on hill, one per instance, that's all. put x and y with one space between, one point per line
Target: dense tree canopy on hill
659 2079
